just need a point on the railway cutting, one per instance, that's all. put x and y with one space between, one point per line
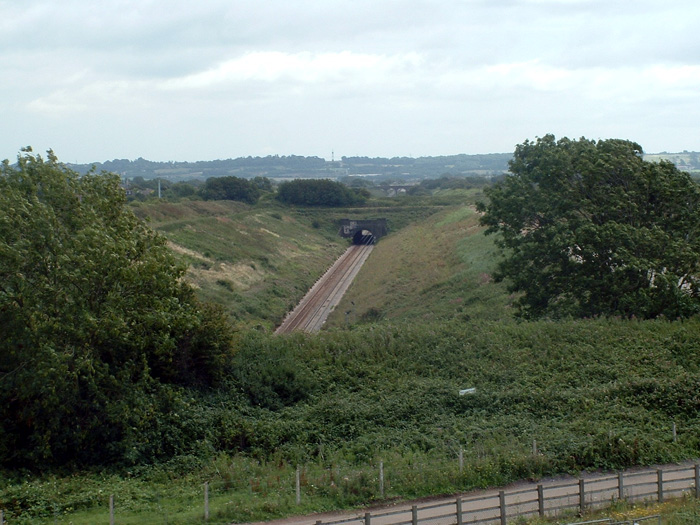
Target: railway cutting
317 304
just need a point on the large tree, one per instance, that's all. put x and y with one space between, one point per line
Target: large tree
589 228
98 329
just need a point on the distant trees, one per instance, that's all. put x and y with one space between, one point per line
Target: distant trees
233 188
98 328
319 192
589 228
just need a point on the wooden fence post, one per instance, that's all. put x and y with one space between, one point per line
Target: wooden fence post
697 480
381 479
534 447
206 500
675 435
461 460
298 485
111 509
2 517
620 485
660 482
540 500
414 515
502 505
459 512
582 495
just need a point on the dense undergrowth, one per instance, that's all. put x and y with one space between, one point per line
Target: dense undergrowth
593 394
427 322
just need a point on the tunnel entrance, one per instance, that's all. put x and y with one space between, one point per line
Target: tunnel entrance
363 231
363 237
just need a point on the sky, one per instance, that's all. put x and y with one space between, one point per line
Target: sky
177 80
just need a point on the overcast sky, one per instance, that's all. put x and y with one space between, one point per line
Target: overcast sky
184 80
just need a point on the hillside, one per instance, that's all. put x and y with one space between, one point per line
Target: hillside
258 261
427 321
435 269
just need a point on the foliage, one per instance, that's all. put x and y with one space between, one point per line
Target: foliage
97 322
233 188
319 192
589 228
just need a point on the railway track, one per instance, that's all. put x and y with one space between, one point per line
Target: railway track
312 311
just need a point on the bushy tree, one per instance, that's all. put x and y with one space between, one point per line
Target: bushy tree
318 192
96 321
589 228
231 188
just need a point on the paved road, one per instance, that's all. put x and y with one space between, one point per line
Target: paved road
522 498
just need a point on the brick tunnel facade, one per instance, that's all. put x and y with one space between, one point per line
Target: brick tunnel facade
363 231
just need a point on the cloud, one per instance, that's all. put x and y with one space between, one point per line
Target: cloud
306 68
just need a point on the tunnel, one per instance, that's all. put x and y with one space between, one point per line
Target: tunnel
363 231
363 237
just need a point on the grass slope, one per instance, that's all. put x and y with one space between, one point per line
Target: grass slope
258 261
439 268
593 394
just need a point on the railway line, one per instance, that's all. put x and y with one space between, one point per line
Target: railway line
312 311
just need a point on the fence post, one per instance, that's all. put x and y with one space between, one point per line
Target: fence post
540 500
534 447
582 495
298 484
381 479
111 509
206 500
368 518
459 512
675 435
2 517
660 482
461 460
697 480
620 485
502 505
414 515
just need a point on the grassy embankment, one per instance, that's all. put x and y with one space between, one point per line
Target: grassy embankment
259 261
593 394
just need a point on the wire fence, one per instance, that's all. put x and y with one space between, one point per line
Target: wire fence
221 501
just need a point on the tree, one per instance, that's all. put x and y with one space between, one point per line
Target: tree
589 228
231 188
318 192
99 330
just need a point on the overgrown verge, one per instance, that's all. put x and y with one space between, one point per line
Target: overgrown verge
594 394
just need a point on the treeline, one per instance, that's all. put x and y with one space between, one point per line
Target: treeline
303 192
320 192
215 188
294 166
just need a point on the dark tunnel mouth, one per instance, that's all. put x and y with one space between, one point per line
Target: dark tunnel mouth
363 237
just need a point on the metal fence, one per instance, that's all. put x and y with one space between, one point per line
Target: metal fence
538 499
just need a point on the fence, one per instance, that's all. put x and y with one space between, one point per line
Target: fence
528 499
543 500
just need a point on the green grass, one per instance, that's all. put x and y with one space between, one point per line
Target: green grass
435 269
594 394
259 261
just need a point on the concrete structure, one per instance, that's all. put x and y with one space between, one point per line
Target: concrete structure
363 231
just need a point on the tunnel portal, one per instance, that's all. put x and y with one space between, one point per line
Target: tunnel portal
363 231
